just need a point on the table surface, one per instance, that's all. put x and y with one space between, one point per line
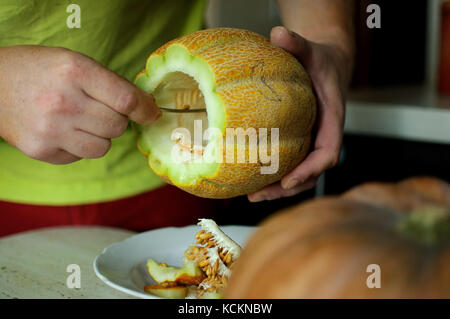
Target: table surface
33 264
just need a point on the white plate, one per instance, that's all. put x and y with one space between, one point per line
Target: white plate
122 265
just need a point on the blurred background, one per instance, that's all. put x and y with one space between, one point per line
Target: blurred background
398 108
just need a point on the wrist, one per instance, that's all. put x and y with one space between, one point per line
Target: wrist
344 62
336 37
341 47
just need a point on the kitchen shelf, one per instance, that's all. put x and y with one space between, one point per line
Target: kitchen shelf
409 113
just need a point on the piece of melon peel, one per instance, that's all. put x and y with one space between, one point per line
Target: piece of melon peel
188 274
168 290
215 256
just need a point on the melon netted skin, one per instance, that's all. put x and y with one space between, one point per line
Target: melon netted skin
243 81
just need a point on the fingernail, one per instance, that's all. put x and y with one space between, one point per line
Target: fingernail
158 114
156 111
152 116
290 183
291 33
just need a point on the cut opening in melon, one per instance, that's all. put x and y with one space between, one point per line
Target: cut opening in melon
175 147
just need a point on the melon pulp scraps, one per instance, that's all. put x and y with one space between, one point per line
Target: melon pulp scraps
206 269
243 82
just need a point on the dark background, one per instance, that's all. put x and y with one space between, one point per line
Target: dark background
394 54
391 56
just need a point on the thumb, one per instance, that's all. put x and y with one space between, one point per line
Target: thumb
291 42
146 111
116 92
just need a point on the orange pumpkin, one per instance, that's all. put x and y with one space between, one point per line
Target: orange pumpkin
331 247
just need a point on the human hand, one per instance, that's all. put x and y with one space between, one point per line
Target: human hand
59 106
329 68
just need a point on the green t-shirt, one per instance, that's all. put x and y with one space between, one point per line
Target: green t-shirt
120 34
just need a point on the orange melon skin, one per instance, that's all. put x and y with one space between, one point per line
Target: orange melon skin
261 86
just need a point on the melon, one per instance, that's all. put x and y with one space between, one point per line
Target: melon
255 104
188 274
169 290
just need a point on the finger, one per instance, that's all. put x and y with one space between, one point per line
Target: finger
291 42
85 145
326 153
281 192
98 119
275 191
119 94
62 157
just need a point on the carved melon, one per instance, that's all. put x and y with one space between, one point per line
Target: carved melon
244 82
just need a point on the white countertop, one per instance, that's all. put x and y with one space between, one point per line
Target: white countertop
33 264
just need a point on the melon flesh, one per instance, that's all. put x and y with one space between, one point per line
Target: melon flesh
177 76
189 273
169 292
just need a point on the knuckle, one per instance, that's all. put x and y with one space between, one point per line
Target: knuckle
45 128
69 66
127 102
38 150
50 98
51 102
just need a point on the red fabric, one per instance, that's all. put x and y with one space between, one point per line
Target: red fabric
166 206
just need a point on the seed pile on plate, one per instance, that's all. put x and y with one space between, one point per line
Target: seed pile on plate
215 256
206 269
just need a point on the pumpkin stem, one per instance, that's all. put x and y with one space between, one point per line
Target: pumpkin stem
428 224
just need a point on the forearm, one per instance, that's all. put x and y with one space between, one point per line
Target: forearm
322 21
